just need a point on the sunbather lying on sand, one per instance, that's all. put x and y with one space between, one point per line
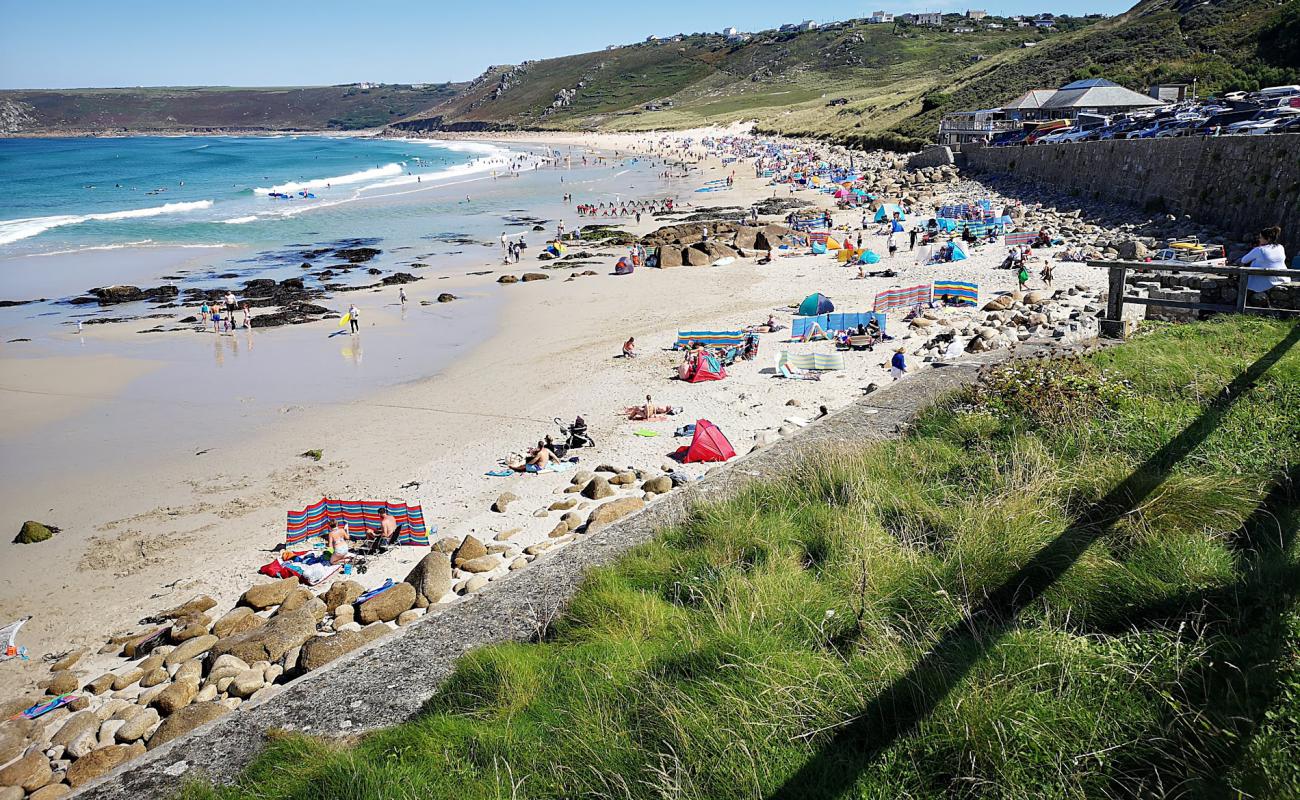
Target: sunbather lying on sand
650 411
771 326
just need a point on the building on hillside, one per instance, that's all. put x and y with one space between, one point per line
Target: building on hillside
974 126
807 25
963 29
975 13
652 38
878 17
928 18
730 31
1092 96
1045 21
736 38
1170 92
994 26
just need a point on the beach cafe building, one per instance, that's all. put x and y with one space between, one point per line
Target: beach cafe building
1093 97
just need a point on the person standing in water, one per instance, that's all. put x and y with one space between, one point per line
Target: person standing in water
353 314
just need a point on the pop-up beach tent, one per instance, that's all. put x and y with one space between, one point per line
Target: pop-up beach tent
708 444
887 211
958 252
814 304
707 367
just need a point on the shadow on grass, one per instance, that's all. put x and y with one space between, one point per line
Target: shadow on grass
898 710
1234 682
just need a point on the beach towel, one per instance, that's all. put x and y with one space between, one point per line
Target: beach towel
785 372
312 574
41 709
360 516
645 433
904 297
388 584
500 473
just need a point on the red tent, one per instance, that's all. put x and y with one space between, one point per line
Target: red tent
705 367
708 444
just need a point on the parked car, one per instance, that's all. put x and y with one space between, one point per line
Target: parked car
1181 128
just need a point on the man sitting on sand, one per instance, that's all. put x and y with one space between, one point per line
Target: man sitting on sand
541 458
770 326
629 347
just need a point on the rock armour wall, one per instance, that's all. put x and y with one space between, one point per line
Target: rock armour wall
1239 183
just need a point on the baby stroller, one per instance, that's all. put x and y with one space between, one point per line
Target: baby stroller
575 436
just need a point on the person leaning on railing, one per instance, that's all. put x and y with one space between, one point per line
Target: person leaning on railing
1268 254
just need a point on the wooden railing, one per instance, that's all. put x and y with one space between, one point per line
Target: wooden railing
1120 271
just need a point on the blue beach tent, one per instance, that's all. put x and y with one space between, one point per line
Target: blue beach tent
958 252
887 211
814 304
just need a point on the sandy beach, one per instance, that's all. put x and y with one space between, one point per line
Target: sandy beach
204 513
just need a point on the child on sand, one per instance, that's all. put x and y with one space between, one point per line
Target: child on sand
1023 277
629 347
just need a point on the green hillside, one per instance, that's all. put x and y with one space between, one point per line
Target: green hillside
852 81
347 107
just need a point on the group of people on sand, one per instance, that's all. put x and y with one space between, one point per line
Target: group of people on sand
338 541
512 249
222 313
626 208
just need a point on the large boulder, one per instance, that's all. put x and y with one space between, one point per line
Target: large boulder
32 532
322 650
175 697
659 485
431 577
529 277
265 595
270 641
77 724
186 720
31 772
670 256
470 547
138 726
598 488
62 683
195 605
342 593
192 648
607 513
1133 250
481 564
504 501
299 597
239 619
697 256
388 604
101 762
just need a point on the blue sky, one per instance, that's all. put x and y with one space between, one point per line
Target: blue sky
74 43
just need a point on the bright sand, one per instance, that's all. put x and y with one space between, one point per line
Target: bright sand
136 541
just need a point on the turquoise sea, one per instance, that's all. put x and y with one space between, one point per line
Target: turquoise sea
92 192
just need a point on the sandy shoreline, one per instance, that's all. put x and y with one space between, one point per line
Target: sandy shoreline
135 543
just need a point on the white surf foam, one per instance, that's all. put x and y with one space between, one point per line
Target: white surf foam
320 183
240 220
13 230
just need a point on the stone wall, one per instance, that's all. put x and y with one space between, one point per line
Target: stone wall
937 156
1238 183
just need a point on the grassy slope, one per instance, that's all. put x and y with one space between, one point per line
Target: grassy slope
918 601
180 108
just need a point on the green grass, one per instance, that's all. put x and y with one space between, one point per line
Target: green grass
1077 580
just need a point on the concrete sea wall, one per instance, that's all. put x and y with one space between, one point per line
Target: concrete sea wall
1238 183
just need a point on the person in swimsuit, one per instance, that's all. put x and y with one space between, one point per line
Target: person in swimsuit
340 543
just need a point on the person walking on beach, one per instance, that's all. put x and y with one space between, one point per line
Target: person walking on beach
204 311
401 295
911 239
353 315
898 364
503 240
1023 277
231 308
892 244
1046 274
248 318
